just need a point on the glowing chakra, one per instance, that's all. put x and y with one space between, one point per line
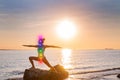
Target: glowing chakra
40 48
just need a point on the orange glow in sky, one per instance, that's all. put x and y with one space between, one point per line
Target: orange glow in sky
79 24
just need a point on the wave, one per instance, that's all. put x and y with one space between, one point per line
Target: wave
95 71
17 72
104 74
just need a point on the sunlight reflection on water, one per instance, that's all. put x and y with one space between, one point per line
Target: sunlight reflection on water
66 58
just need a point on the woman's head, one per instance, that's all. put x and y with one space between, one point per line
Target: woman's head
41 39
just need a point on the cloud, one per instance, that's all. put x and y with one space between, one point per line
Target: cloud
19 14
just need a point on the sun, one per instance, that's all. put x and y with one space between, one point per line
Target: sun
66 29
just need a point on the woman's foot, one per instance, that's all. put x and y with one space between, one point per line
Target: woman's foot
32 68
53 69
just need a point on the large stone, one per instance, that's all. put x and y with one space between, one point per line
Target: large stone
118 75
37 74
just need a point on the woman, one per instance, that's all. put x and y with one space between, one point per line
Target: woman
31 58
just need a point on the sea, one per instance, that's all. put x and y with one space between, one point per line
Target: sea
81 64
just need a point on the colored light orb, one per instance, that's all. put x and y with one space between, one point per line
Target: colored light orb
40 49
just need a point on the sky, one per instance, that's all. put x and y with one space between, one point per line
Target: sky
97 23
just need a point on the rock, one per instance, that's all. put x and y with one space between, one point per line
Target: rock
118 75
37 74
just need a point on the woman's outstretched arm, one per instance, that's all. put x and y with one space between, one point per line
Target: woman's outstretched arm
52 46
31 46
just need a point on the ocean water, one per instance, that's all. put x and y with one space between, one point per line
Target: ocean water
81 64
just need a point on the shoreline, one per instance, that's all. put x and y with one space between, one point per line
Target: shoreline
108 77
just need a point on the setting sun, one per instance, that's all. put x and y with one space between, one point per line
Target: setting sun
66 29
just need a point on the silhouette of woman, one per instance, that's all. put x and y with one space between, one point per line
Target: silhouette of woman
31 58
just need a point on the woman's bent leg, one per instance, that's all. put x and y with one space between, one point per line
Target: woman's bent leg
31 58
